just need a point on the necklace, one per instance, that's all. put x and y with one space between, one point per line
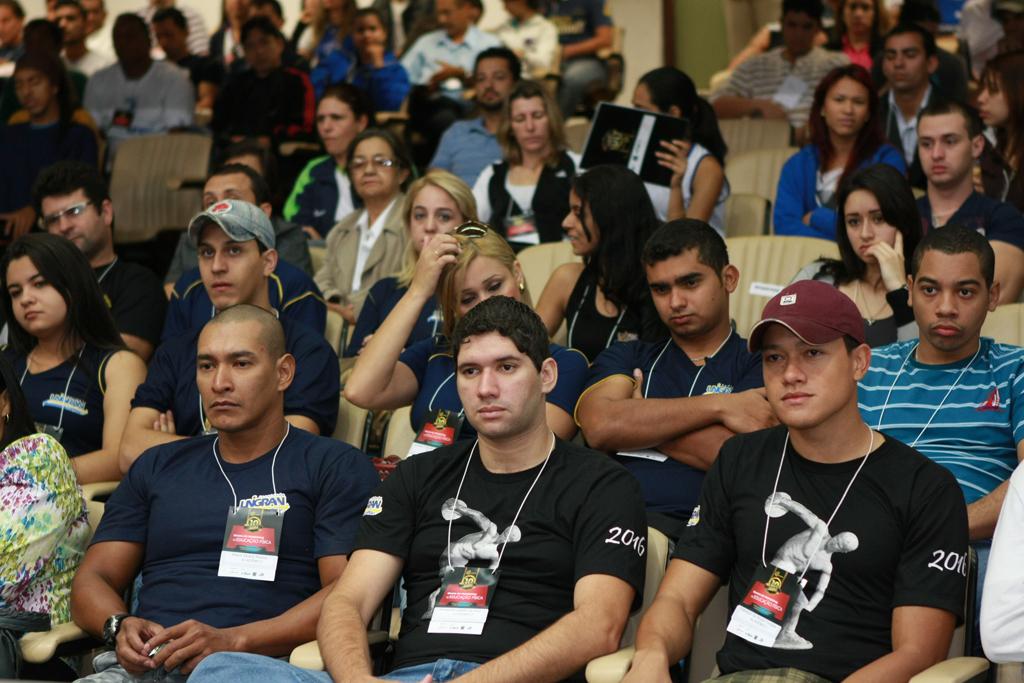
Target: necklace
868 315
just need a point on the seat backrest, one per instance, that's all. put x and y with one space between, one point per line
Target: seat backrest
538 262
757 171
656 563
576 130
1006 324
144 172
95 510
766 265
317 256
398 436
708 637
352 425
746 215
747 134
335 331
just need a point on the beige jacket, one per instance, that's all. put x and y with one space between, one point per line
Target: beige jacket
334 278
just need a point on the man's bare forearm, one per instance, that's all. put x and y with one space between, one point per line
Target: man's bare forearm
342 636
983 513
698 448
629 423
285 632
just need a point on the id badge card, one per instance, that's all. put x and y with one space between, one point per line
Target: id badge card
50 430
760 615
522 228
790 92
123 118
441 429
464 600
252 540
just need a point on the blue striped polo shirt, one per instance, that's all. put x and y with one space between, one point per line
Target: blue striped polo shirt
965 415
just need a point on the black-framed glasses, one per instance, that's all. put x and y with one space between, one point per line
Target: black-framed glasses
473 229
73 211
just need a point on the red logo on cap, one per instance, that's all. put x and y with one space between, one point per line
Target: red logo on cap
220 207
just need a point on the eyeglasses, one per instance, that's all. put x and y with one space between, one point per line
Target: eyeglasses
472 229
73 211
359 163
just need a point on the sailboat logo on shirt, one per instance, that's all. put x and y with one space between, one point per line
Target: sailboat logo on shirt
992 402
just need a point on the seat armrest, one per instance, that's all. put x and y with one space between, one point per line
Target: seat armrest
956 670
610 668
99 488
41 646
307 656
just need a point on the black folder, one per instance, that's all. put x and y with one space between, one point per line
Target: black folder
629 137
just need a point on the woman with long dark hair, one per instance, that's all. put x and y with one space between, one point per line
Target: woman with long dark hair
846 134
1001 106
698 188
877 229
43 520
859 30
601 299
49 133
75 371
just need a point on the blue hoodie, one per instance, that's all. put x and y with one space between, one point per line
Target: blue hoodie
795 196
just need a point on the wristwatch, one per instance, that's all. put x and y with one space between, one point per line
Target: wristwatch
111 626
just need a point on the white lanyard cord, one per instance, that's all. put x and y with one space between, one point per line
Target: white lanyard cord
430 404
64 399
576 314
107 270
458 492
941 403
775 488
273 464
701 369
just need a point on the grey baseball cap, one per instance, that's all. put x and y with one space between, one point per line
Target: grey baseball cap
241 221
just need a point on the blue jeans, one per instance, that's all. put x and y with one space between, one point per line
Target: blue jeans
228 667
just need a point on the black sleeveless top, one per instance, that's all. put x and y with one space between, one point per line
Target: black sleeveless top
550 200
591 332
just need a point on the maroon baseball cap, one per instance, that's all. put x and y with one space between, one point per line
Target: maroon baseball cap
815 311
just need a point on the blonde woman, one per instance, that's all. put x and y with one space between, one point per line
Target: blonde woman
525 196
463 268
435 204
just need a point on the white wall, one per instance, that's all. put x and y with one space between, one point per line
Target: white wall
641 20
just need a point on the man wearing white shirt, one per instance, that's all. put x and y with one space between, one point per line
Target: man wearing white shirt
77 55
198 37
530 35
137 96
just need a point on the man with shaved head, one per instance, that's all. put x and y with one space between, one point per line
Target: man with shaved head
239 534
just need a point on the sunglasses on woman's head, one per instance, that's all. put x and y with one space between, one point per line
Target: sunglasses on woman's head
472 229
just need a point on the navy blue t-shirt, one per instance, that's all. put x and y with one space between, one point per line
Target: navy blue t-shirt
577 20
83 404
382 297
996 220
171 380
174 500
434 368
672 487
293 294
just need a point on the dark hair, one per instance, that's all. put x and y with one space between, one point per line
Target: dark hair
16 9
18 423
357 99
272 4
905 27
512 319
975 127
957 239
1005 73
260 189
66 269
899 209
397 146
878 23
920 12
625 218
52 67
369 12
869 138
514 65
262 24
669 86
173 15
133 18
683 234
66 177
71 3
43 27
812 8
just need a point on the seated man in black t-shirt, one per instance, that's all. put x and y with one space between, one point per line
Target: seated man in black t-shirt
949 142
845 550
548 535
73 201
235 241
237 536
665 408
